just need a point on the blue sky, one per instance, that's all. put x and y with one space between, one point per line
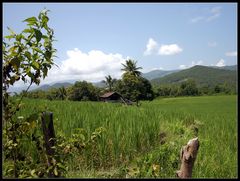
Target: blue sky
93 39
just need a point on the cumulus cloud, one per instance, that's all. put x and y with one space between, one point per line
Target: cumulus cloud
183 66
169 49
151 47
220 63
193 63
231 54
91 66
200 62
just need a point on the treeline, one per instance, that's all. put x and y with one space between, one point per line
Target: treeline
80 91
190 88
86 91
129 89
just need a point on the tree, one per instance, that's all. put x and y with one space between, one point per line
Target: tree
27 56
131 68
83 91
189 88
146 91
52 94
110 82
62 93
133 86
129 87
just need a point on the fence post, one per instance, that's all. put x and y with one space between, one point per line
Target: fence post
188 155
49 136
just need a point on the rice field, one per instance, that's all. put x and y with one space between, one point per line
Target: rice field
136 138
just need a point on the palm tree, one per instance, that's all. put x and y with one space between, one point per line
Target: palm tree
131 67
62 93
109 82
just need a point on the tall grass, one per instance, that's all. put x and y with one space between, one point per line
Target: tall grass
135 131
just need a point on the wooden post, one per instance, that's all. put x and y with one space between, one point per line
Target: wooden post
49 135
188 155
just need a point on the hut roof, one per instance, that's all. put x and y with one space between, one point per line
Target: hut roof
108 94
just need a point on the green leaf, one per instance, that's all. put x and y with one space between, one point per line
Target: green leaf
15 62
28 55
27 31
9 37
45 21
12 49
12 80
31 20
35 65
61 166
45 37
30 74
35 56
55 171
11 31
37 49
38 34
48 55
19 37
45 71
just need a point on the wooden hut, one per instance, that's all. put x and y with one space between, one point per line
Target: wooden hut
114 97
111 97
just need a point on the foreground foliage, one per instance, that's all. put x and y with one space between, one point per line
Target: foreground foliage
27 57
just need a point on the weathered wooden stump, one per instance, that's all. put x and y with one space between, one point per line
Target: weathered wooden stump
49 136
188 155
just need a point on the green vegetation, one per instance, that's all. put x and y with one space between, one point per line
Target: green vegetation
109 82
96 139
145 141
27 56
203 76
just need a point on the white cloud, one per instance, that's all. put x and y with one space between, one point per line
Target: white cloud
231 54
196 19
160 68
212 44
169 49
215 13
220 63
211 15
183 66
91 66
193 63
200 62
151 47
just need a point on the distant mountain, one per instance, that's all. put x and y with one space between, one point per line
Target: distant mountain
203 75
229 67
157 74
100 84
46 87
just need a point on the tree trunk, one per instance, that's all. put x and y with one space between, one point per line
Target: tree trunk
188 155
